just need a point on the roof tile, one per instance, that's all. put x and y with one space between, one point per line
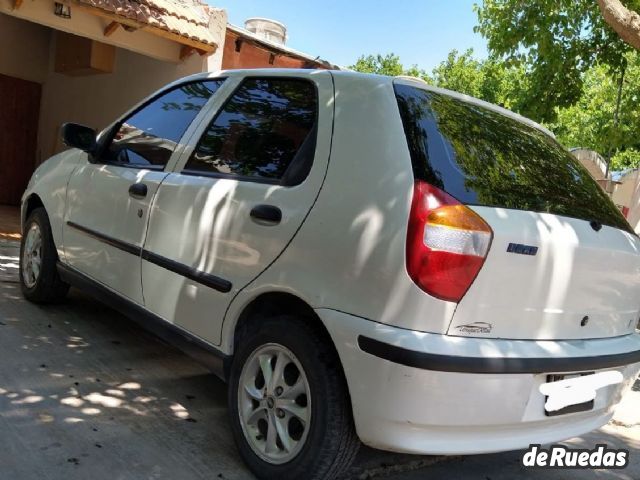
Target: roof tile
187 18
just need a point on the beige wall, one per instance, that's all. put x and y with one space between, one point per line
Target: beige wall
97 100
144 63
627 194
634 208
91 26
624 190
24 49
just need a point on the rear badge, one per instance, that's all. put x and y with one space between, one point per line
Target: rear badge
475 327
522 249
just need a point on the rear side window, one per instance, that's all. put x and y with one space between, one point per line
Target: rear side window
481 157
262 128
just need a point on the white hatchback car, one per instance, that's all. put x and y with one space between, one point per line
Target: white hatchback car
361 257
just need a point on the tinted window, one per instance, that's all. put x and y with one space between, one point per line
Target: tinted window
260 130
149 136
484 158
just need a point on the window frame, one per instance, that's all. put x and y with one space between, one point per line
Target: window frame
245 178
106 137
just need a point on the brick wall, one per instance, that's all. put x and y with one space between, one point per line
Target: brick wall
241 52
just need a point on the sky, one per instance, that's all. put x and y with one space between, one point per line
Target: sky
420 32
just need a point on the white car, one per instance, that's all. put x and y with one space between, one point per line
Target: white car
363 258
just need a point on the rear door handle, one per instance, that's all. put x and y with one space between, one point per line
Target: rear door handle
266 214
138 190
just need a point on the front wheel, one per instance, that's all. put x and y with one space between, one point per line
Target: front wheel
39 279
291 414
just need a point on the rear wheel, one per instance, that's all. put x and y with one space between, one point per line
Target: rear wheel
39 279
291 413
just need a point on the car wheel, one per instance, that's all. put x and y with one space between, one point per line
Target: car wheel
290 408
39 277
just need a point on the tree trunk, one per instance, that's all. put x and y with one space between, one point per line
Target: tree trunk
625 22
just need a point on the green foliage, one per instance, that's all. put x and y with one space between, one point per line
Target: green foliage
460 72
386 65
556 42
590 123
625 160
489 80
632 5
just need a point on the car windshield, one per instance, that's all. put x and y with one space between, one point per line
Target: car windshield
482 157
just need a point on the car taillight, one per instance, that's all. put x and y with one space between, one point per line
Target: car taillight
447 243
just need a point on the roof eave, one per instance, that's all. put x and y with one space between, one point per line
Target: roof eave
281 48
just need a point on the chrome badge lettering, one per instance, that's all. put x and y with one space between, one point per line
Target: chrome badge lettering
522 249
475 327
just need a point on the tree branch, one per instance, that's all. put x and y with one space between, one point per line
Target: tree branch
625 22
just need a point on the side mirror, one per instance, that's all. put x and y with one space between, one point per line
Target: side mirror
79 136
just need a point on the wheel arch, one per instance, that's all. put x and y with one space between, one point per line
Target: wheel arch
273 303
269 304
32 202
53 210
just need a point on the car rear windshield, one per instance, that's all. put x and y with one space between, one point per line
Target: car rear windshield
482 157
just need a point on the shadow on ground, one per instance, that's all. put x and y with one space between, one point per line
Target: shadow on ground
85 393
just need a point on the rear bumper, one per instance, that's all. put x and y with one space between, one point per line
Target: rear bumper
426 393
495 364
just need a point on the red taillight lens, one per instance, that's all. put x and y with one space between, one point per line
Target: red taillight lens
447 243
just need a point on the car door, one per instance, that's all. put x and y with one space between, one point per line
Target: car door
108 198
241 190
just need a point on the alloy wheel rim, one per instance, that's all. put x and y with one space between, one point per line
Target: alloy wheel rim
274 403
32 256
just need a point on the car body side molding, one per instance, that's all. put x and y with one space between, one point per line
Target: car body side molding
195 347
204 278
198 276
492 365
124 246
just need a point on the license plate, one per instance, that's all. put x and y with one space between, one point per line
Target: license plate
579 407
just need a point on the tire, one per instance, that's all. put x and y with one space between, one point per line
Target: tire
45 286
329 442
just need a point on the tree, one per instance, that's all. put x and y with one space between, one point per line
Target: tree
386 65
556 42
625 159
461 73
604 117
623 20
601 123
489 80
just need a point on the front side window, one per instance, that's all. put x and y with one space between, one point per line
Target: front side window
149 136
262 128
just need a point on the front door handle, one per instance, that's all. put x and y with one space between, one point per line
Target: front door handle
266 214
138 190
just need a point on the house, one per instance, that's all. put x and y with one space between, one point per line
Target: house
596 165
622 187
88 61
627 194
634 206
262 44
